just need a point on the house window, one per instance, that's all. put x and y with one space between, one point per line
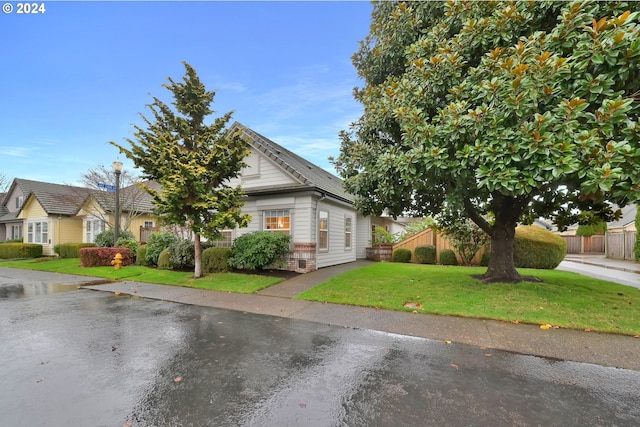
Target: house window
19 201
347 232
93 228
226 241
323 230
38 232
148 224
278 221
16 232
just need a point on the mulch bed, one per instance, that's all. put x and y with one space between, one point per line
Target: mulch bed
284 274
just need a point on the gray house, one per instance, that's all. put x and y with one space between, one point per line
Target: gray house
288 194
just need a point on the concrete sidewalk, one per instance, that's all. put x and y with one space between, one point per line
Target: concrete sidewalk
598 266
564 344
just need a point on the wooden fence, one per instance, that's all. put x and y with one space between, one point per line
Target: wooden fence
620 244
429 237
582 244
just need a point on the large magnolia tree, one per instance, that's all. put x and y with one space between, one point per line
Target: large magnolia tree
193 162
504 111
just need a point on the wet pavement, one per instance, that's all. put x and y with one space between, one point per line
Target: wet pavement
78 357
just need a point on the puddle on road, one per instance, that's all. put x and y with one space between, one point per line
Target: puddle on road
14 291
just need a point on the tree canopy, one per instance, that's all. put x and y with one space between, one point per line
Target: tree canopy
192 161
505 111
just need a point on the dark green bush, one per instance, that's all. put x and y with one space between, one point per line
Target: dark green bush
425 255
20 250
105 239
157 243
182 254
71 250
164 260
535 247
448 257
401 255
215 260
141 255
259 250
131 244
96 257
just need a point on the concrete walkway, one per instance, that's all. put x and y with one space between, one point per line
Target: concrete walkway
566 344
601 267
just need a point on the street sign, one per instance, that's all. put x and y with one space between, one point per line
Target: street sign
106 187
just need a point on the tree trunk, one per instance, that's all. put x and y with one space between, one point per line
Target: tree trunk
501 266
197 256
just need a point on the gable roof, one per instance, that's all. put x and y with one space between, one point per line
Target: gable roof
132 198
311 176
55 199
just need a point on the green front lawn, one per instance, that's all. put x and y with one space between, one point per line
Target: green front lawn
563 299
229 282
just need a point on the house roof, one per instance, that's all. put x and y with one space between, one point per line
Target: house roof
628 217
55 199
132 198
310 175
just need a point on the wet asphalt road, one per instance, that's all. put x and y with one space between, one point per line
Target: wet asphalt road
72 357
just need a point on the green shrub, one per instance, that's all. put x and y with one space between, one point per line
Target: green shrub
486 256
182 254
380 235
105 239
96 257
425 255
164 260
448 257
141 255
157 243
215 260
20 250
71 250
131 244
589 230
535 247
259 250
401 255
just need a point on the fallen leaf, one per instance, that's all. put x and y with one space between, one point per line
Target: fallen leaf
135 291
515 322
447 342
588 330
116 293
545 326
416 305
636 336
453 365
556 327
302 405
178 379
39 380
488 354
128 424
221 336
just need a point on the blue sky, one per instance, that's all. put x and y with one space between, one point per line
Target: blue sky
78 75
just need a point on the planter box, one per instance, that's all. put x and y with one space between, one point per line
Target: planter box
380 252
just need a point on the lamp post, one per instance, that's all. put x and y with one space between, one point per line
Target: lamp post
117 168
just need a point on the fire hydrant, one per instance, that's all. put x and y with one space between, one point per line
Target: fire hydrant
117 261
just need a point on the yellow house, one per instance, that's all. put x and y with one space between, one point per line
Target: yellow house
49 214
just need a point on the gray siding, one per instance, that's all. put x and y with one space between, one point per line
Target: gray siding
363 235
337 253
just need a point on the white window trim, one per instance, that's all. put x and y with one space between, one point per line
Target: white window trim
348 231
285 213
41 237
323 230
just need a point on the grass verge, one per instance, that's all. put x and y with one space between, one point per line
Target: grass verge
563 299
228 282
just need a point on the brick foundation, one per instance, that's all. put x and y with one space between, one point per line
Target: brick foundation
302 259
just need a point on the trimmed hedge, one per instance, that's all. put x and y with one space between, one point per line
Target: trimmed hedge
425 255
401 255
448 257
20 250
535 247
164 260
71 250
141 255
96 257
259 250
215 260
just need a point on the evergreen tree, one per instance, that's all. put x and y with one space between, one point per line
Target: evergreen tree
192 161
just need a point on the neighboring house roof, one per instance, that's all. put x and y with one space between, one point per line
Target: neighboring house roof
132 198
55 199
310 175
628 217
